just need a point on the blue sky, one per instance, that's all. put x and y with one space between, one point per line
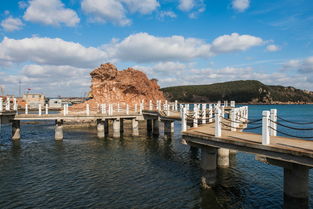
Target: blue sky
52 45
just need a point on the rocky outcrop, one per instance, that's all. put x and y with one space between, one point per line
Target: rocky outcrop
130 86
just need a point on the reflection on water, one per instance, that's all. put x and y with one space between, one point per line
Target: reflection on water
132 172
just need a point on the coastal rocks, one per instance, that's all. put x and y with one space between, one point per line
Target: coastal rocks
130 86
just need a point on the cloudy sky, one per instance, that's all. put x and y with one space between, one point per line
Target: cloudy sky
51 46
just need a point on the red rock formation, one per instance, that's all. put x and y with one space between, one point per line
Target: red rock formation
129 86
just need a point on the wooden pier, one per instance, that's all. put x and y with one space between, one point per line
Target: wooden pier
216 130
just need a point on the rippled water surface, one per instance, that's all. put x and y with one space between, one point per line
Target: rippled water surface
132 172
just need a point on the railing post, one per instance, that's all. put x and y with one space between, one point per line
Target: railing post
218 125
1 105
184 121
64 109
265 127
127 109
87 109
140 108
219 103
47 109
232 118
14 104
195 118
203 113
210 114
118 107
26 109
176 106
39 109
273 121
150 105
7 105
232 103
135 108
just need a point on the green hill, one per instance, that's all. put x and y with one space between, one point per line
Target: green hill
248 91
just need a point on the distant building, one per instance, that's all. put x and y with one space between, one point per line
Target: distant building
55 103
33 100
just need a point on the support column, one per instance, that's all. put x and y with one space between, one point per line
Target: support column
296 181
167 127
116 128
149 126
208 164
156 127
100 129
106 127
16 130
135 127
223 158
58 130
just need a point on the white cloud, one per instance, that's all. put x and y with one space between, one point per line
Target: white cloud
50 79
304 66
22 4
186 5
50 12
141 6
115 10
49 51
12 24
234 42
143 47
240 5
164 14
272 48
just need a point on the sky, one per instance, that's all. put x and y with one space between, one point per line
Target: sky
51 46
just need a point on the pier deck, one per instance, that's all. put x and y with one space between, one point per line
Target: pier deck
281 148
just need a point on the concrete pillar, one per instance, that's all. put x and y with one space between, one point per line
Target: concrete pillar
116 128
100 129
172 127
106 127
135 127
156 127
296 182
167 127
265 129
273 116
58 130
149 126
16 130
208 164
64 110
223 158
26 109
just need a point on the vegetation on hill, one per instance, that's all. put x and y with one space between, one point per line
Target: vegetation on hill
248 91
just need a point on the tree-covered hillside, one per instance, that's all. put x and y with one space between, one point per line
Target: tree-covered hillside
248 91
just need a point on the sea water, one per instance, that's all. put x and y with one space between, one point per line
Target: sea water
83 171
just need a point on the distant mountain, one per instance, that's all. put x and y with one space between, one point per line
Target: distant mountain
242 91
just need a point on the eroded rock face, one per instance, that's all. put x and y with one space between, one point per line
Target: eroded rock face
130 86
